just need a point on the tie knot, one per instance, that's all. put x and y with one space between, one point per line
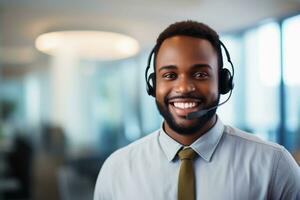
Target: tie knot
187 154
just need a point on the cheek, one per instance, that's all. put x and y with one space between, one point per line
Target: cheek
161 92
214 90
210 90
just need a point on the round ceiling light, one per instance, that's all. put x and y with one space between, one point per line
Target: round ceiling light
88 44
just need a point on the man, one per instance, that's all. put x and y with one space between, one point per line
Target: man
193 155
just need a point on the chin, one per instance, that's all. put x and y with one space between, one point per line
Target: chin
184 126
185 123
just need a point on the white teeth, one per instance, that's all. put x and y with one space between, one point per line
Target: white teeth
186 105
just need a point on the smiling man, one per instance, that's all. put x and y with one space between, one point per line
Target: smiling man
187 81
194 155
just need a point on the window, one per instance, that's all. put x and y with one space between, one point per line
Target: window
262 77
291 66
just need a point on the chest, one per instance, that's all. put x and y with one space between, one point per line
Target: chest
158 180
155 180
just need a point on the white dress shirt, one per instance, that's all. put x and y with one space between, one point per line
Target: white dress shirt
231 165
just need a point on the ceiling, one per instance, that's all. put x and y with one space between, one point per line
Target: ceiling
22 21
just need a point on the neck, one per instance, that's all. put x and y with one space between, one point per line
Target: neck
189 139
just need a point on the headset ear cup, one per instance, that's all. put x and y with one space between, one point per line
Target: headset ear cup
151 84
225 81
153 78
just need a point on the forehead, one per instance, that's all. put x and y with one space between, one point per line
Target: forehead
186 50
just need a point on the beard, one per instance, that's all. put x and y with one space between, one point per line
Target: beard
183 130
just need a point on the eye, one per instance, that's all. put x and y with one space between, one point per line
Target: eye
200 75
169 75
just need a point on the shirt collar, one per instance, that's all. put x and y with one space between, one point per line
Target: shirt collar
205 146
168 144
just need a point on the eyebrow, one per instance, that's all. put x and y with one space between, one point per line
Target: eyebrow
201 66
167 67
198 65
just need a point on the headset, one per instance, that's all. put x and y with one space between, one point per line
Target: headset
225 77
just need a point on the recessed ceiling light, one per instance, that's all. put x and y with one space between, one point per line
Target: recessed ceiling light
88 44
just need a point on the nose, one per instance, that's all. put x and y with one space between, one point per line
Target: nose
184 86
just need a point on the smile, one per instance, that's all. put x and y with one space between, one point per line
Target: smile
182 106
185 105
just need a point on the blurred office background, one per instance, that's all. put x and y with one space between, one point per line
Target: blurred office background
62 114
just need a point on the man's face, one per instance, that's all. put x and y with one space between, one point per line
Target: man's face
186 81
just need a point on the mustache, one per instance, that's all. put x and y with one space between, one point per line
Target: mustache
189 96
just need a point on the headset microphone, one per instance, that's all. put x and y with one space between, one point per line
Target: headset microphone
201 113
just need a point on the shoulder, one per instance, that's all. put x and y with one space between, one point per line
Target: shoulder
271 163
142 144
126 154
259 152
119 163
285 172
249 140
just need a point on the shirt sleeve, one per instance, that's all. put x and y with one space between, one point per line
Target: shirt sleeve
103 187
286 177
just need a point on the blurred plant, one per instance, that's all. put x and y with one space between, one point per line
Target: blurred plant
7 107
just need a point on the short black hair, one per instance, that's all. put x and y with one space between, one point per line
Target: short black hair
192 29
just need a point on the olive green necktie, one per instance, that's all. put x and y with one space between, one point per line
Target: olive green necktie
186 182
